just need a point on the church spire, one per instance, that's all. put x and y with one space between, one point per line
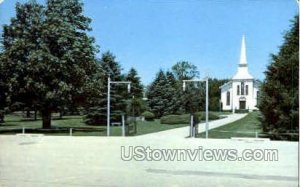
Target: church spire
243 57
242 72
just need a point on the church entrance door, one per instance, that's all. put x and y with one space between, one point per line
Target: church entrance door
242 105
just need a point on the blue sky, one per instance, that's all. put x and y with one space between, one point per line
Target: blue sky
155 34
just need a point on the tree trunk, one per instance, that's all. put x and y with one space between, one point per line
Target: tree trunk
46 117
28 113
35 115
61 113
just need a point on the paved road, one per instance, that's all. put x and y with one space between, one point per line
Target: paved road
184 131
54 161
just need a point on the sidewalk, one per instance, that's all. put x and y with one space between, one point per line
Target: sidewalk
184 131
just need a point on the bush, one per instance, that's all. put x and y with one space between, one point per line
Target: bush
149 116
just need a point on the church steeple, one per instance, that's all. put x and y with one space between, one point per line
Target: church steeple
242 72
243 57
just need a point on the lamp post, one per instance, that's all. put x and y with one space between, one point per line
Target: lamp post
109 82
206 100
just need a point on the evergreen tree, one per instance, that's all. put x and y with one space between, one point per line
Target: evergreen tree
48 58
98 113
157 100
136 86
162 94
172 91
279 102
136 105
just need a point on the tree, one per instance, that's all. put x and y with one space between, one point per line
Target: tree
156 94
172 92
97 114
184 70
280 90
48 58
136 105
3 91
162 94
215 93
136 86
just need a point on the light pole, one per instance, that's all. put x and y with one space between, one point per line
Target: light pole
206 100
109 82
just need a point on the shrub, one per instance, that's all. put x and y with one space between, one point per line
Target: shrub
149 116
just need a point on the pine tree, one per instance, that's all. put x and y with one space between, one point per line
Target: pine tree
156 94
97 114
136 86
136 105
280 90
162 94
172 94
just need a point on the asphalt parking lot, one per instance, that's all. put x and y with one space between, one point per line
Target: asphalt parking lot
97 161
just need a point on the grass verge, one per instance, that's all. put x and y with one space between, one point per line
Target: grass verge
245 127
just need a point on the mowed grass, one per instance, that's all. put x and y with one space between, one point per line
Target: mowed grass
146 127
245 127
61 127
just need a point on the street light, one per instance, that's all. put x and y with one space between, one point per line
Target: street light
206 101
109 82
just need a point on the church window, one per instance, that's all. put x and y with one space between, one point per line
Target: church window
242 88
238 90
228 99
246 89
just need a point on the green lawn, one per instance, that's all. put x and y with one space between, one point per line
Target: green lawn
14 124
145 127
245 127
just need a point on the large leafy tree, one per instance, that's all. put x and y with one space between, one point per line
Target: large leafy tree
279 102
48 57
185 70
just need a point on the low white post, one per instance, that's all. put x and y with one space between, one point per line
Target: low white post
256 134
23 130
123 125
71 131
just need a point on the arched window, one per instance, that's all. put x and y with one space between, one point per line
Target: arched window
242 88
246 89
228 98
238 90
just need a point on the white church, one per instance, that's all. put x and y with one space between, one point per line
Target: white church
242 91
